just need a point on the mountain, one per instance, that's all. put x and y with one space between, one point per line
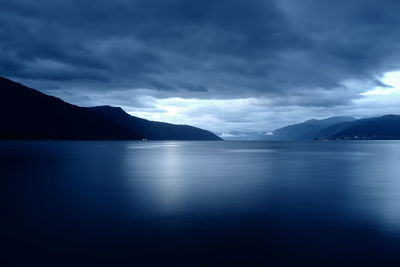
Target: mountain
26 113
382 128
307 130
152 130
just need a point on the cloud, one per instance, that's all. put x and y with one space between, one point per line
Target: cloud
309 56
225 135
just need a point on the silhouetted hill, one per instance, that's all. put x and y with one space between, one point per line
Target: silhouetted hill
307 130
29 114
333 129
153 130
382 128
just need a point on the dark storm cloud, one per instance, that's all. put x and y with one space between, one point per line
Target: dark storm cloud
301 51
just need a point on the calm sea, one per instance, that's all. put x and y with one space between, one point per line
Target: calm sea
200 203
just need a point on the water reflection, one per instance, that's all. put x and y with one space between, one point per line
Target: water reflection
165 183
253 203
376 184
184 178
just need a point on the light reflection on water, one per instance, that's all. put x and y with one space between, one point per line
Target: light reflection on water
376 185
311 200
179 174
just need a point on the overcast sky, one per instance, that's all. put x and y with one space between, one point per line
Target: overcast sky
218 64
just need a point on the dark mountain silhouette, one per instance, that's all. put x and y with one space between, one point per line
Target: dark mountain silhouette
152 130
307 130
333 129
341 128
382 128
29 114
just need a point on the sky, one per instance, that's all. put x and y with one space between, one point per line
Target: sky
223 65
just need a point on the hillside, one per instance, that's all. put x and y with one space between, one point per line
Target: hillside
307 130
382 128
29 114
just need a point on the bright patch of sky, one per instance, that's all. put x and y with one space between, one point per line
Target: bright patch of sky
251 114
391 81
261 115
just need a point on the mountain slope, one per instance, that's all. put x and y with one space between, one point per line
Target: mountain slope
29 114
307 130
382 128
152 130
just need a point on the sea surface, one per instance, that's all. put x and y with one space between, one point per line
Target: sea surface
97 203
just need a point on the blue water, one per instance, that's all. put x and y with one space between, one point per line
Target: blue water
200 203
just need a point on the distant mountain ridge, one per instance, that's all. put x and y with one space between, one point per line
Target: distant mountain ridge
381 128
307 130
341 128
29 114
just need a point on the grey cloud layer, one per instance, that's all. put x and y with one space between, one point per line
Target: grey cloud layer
294 52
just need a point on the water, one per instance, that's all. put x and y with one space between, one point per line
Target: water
200 203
